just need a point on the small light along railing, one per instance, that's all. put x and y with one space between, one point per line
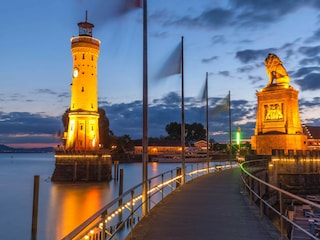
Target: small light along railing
117 218
256 188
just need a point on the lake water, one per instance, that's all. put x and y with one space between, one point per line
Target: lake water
62 207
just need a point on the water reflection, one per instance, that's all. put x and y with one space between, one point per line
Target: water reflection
62 207
71 204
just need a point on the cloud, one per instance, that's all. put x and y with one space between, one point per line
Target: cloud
46 91
126 118
309 82
240 13
314 38
211 18
19 127
310 51
304 71
217 39
313 61
224 73
255 14
249 55
210 59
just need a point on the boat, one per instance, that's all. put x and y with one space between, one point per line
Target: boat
176 158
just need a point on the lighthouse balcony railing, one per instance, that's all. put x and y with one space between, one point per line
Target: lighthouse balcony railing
117 218
85 39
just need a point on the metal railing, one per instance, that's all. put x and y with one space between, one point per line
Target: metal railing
117 218
272 198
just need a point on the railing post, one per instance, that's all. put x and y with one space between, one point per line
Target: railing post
197 169
261 202
281 213
191 171
178 174
103 231
162 186
149 197
251 194
132 211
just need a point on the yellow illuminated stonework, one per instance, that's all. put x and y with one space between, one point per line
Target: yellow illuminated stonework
83 128
278 124
273 112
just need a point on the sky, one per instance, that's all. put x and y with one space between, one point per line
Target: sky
229 39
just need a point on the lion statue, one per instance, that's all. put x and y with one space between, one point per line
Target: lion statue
276 72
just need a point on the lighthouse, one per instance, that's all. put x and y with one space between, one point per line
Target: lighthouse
83 127
82 159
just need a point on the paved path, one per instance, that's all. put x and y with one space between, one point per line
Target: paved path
209 207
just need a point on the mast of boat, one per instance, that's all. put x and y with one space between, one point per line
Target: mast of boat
182 118
145 114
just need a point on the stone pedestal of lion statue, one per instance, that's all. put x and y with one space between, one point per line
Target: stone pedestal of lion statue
278 129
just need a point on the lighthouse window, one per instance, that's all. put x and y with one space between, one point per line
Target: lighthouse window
91 58
82 90
82 56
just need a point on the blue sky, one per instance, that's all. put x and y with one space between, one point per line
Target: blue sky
227 39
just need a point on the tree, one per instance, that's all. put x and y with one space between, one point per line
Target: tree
123 144
194 131
174 131
104 131
65 119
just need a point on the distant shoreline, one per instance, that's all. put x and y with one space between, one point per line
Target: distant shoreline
6 149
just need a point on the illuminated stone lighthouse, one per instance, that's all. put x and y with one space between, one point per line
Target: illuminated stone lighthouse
82 159
83 127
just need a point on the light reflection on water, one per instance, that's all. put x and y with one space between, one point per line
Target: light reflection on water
71 204
62 207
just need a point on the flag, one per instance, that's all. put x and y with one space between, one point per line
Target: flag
222 106
106 10
129 5
203 93
173 65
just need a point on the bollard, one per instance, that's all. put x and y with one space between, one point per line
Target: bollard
116 170
35 207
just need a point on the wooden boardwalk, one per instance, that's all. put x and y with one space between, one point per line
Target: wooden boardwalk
209 207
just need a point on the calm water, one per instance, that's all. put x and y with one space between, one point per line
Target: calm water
62 207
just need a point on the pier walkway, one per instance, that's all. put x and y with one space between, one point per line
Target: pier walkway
209 207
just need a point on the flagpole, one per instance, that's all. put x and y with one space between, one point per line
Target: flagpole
207 121
230 140
145 114
182 117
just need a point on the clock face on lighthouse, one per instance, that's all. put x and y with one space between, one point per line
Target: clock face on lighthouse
75 72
